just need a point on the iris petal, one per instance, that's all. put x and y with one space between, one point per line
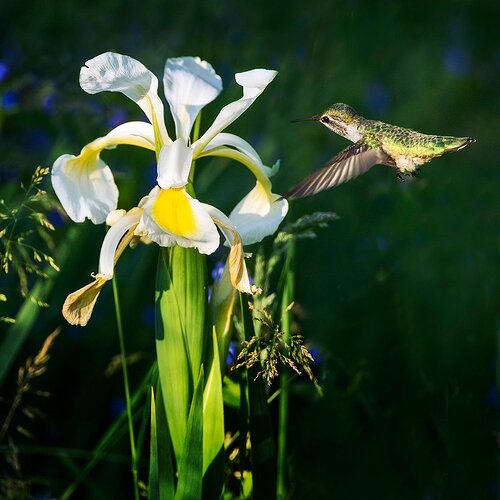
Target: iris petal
258 214
193 227
118 73
254 83
190 84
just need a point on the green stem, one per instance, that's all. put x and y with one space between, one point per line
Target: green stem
127 390
286 323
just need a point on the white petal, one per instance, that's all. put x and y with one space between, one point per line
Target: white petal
225 139
174 164
85 186
112 239
132 133
118 73
204 236
258 214
236 261
190 84
254 83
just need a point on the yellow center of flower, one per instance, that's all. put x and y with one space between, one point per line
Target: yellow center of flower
173 212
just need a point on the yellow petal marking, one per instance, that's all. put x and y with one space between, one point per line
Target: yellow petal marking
172 211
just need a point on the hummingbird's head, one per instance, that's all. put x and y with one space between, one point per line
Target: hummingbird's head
341 119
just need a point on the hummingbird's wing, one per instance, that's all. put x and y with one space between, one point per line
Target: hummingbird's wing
350 162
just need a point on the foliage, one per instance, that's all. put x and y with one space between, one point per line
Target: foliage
26 237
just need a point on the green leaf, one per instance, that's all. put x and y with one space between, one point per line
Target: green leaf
190 483
213 410
181 296
153 488
231 392
161 470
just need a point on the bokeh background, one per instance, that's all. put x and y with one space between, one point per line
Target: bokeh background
399 297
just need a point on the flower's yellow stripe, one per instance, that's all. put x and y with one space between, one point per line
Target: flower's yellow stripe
173 212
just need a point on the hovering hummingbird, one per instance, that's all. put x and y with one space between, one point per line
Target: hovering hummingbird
374 143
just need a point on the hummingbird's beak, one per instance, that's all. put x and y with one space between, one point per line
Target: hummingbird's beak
311 118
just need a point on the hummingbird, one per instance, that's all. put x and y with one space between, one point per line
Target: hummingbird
375 143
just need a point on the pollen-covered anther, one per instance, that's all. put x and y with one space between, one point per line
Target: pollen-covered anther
114 216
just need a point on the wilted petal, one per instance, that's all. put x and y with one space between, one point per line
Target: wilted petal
172 217
236 261
190 84
254 83
174 164
258 214
78 306
118 73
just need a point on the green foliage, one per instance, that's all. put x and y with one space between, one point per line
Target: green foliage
26 237
273 346
400 294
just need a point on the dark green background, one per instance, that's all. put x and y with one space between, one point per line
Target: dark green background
400 295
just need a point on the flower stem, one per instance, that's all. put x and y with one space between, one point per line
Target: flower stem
127 390
286 323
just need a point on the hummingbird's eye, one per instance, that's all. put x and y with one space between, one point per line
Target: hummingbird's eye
326 119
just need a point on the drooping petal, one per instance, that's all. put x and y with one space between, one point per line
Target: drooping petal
112 246
236 261
190 84
225 139
254 83
78 306
258 214
118 73
174 164
84 184
172 217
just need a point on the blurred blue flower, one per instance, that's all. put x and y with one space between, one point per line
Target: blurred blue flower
116 406
232 353
44 495
148 316
118 116
10 100
36 139
48 102
316 353
56 218
378 99
493 398
8 175
4 71
217 271
456 61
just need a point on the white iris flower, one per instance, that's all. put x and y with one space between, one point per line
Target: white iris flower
168 215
